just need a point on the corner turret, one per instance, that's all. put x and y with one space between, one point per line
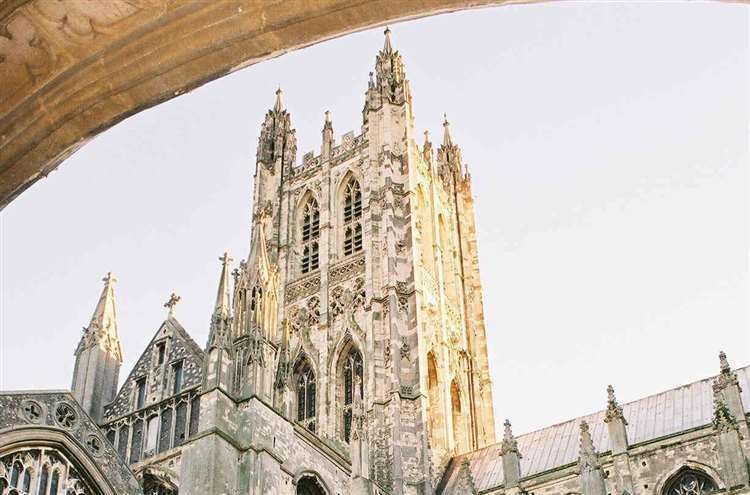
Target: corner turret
98 356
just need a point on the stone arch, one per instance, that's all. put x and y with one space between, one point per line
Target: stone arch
436 405
348 345
305 387
667 477
458 417
157 480
312 482
88 470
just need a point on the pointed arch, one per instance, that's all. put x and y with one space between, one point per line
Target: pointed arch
305 392
347 365
351 204
309 233
436 413
703 472
460 440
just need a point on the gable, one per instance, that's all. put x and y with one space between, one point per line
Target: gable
178 347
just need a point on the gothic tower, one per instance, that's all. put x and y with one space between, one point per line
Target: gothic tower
357 316
98 356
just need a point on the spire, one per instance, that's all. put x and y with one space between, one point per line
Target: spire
278 106
102 329
222 294
587 457
171 303
447 141
387 46
591 479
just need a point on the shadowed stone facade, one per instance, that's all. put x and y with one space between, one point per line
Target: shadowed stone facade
347 354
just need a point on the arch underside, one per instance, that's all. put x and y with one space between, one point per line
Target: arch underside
70 72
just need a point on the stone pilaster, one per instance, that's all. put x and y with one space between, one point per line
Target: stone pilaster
734 464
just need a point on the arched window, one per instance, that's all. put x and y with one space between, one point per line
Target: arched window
352 374
305 383
310 235
690 482
436 411
352 217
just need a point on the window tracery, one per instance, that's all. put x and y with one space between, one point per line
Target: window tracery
690 482
352 374
306 393
27 472
310 236
352 218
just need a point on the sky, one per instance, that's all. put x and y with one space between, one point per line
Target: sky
608 144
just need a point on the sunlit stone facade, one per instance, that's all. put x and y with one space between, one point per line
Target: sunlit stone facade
347 354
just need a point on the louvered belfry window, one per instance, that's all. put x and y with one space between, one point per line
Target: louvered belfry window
310 236
352 218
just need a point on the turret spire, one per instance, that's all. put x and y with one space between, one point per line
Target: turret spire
102 328
278 106
447 141
387 46
98 355
222 294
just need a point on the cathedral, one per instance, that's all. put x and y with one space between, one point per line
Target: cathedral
347 354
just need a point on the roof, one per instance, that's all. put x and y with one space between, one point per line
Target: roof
661 415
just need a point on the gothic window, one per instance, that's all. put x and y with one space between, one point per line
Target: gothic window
305 383
436 410
160 352
122 441
177 377
352 218
310 236
195 410
140 394
690 482
26 487
165 430
15 473
136 446
152 430
352 374
179 424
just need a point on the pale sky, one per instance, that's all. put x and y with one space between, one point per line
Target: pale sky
608 144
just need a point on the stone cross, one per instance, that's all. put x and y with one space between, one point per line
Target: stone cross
171 303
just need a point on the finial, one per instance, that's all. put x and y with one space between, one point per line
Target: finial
279 104
509 443
109 279
426 136
328 116
447 141
171 303
587 444
723 363
387 47
225 259
614 410
372 81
